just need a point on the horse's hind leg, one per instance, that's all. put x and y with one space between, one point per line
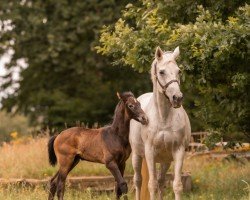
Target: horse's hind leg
52 187
137 163
67 165
161 178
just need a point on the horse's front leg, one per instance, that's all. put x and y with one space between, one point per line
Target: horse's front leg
152 183
162 178
122 187
137 163
177 184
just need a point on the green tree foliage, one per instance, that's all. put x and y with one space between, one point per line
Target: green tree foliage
11 126
214 42
65 81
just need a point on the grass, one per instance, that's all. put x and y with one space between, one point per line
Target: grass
219 180
29 159
212 180
13 193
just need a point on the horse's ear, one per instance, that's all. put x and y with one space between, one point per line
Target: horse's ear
176 52
118 95
158 53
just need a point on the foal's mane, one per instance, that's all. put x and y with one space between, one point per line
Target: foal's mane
119 107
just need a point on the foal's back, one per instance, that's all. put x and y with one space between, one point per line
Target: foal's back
93 145
82 142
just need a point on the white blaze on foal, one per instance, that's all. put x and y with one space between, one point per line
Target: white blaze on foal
167 135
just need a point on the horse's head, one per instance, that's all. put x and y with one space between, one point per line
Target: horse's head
133 107
165 75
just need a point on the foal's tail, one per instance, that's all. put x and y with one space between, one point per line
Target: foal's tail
51 151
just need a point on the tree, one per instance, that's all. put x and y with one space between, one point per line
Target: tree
65 81
214 41
13 126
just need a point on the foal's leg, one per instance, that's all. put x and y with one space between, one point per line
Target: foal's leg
177 184
52 187
161 178
118 189
114 169
152 183
67 164
137 163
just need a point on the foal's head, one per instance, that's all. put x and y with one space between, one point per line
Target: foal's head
133 107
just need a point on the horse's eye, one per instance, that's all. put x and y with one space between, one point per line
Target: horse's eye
131 106
161 72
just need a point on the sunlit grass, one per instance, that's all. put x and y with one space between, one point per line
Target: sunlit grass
30 160
212 180
39 193
218 179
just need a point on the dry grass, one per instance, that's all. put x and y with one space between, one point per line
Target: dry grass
39 193
29 159
218 179
212 180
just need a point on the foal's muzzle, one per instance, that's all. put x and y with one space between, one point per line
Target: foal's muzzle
143 119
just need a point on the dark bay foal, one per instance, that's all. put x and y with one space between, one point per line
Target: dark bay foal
108 145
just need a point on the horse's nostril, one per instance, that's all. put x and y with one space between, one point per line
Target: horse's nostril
178 97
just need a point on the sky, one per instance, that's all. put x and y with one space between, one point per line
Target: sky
5 59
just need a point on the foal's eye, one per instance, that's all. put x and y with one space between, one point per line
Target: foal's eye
161 72
131 106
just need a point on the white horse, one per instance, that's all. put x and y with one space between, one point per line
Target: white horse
167 135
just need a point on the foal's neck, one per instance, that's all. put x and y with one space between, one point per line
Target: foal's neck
120 125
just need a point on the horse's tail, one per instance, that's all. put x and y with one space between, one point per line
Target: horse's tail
145 177
51 151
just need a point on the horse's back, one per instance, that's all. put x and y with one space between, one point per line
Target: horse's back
144 99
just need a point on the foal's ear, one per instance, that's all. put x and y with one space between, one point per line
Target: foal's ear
118 95
122 96
176 52
158 53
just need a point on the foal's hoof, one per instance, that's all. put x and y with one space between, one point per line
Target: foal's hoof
124 188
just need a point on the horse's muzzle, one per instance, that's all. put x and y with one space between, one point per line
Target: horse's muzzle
177 100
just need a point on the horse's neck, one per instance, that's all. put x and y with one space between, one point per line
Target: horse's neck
121 122
163 106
